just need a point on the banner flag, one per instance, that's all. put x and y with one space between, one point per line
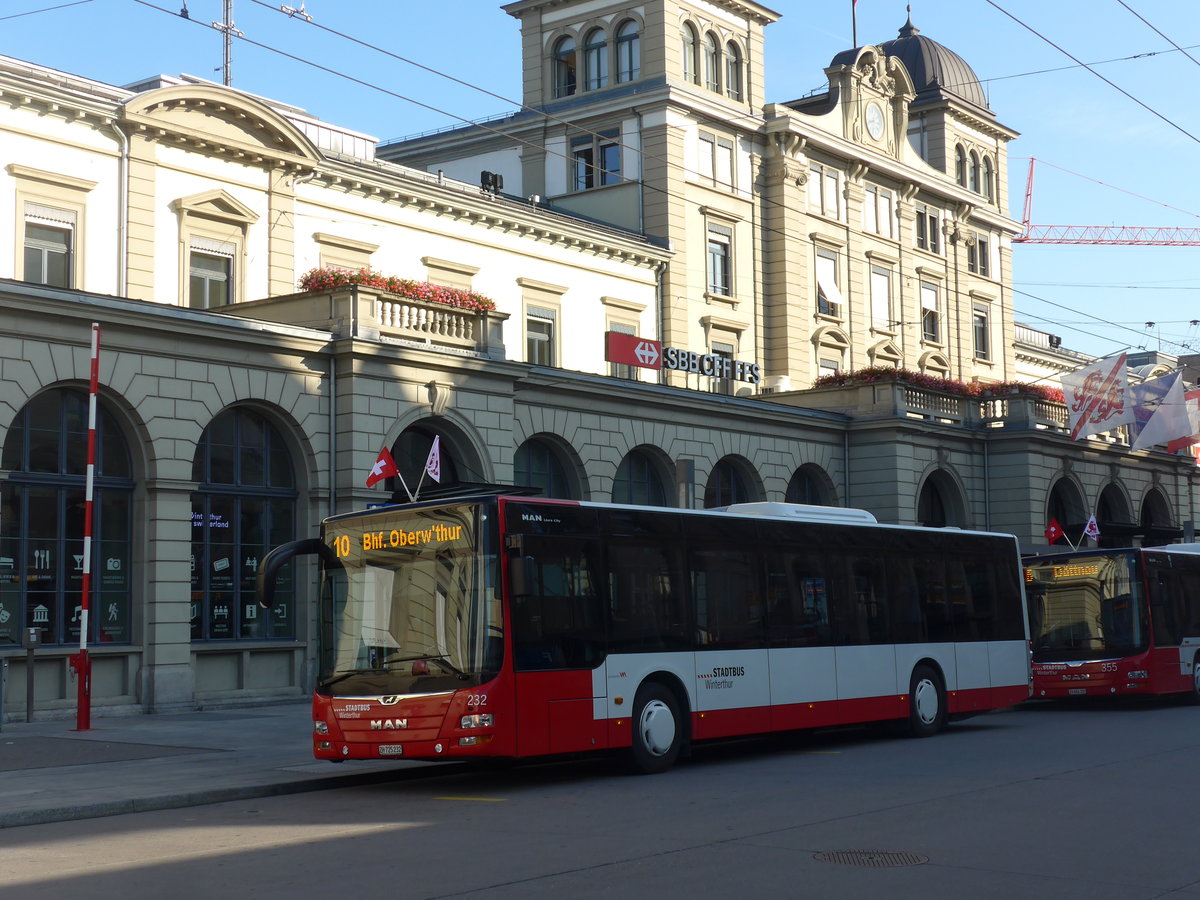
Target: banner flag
1147 398
1191 401
433 464
385 467
1169 422
1097 397
1092 529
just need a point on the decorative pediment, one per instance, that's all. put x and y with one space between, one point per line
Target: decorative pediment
216 204
885 352
934 361
831 336
221 122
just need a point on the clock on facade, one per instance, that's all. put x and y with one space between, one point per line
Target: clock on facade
874 120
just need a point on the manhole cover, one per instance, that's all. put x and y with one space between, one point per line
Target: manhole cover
874 858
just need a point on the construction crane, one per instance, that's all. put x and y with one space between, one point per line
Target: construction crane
1094 235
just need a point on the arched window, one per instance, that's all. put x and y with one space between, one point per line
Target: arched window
245 505
960 165
564 67
733 72
691 53
42 503
712 62
595 60
638 481
989 179
629 52
537 464
973 179
725 486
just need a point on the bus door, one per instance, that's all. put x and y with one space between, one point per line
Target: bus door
1175 619
558 646
733 678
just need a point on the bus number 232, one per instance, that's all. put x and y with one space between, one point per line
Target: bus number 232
476 699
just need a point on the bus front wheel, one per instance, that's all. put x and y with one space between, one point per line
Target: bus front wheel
926 703
657 730
1196 679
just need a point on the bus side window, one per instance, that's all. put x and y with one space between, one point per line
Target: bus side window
797 600
867 622
908 625
725 592
644 600
1165 605
559 624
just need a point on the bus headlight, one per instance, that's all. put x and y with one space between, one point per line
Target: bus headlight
1137 673
320 727
479 720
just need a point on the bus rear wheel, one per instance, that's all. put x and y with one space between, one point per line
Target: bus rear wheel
1196 679
926 703
657 730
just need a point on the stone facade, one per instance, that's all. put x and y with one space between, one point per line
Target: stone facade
236 412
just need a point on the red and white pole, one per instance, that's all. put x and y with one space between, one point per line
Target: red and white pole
81 663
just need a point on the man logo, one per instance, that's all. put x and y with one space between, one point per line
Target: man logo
388 724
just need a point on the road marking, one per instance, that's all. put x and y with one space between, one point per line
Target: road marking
475 799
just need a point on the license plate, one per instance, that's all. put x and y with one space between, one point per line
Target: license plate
1077 691
391 749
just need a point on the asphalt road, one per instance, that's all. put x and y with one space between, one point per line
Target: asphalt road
1040 802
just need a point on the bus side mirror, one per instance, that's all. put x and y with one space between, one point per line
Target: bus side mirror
522 575
264 581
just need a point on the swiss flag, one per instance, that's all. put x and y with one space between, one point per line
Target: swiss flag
1053 531
385 467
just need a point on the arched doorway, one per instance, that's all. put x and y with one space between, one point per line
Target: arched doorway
809 484
729 482
244 505
540 463
42 504
940 503
1157 521
640 480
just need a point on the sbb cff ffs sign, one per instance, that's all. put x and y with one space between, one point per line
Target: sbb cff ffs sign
631 350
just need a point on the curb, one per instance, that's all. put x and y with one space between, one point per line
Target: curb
215 795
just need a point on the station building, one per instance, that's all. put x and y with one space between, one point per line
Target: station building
647 195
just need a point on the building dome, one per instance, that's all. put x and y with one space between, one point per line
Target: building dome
937 72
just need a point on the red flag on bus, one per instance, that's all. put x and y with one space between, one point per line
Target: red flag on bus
385 467
1053 531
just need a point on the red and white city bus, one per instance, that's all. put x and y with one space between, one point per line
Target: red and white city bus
1115 622
511 626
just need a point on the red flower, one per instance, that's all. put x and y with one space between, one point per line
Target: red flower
329 277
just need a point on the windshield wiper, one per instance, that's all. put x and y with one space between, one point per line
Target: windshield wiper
350 674
439 661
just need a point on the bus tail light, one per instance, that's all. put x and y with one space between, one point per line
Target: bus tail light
478 720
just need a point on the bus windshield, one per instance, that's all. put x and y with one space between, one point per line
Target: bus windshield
1085 607
409 603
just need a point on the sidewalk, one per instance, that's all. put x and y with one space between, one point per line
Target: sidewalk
51 773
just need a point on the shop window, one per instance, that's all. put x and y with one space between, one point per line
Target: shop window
42 523
245 505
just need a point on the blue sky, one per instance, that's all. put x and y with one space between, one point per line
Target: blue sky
1105 157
